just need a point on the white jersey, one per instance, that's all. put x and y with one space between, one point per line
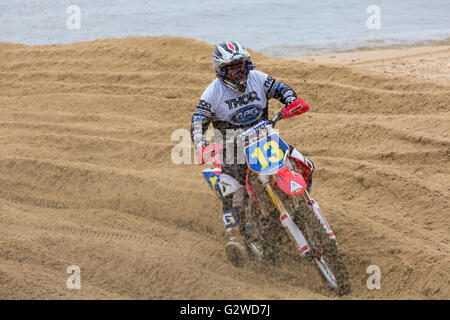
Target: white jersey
239 109
229 110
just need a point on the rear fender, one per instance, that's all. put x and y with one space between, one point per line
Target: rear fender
212 178
290 182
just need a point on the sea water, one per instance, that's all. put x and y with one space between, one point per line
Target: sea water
281 27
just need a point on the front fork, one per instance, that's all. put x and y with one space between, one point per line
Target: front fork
292 229
316 209
289 225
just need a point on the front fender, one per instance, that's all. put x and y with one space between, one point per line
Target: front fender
290 182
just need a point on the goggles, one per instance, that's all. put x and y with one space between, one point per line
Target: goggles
236 71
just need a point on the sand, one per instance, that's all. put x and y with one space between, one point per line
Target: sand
86 177
420 63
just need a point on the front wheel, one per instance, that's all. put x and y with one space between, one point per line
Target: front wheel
323 251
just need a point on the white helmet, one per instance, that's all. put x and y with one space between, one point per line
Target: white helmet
232 64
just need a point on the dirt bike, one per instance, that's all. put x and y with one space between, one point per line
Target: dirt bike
278 204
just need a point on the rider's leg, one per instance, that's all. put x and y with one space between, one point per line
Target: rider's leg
232 187
296 154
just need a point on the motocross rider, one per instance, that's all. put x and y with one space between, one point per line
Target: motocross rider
238 98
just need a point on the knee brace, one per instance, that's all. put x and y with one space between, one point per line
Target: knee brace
232 191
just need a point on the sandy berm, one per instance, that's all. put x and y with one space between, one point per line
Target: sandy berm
86 176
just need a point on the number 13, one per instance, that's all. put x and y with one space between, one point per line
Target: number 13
275 151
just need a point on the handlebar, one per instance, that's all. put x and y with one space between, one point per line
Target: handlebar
260 125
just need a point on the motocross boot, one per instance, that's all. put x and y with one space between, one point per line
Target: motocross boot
235 249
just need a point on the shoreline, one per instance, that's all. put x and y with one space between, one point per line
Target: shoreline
429 63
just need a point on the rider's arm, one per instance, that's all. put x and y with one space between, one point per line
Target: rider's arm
279 90
202 117
275 89
200 122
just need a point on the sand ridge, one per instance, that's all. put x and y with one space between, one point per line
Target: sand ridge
86 176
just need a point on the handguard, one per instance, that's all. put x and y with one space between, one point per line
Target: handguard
210 154
295 108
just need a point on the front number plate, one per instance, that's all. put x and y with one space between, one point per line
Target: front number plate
267 155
